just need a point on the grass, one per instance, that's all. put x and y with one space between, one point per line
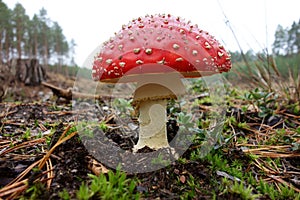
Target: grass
267 71
109 187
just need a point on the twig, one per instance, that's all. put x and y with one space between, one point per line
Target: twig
22 145
15 189
60 113
23 174
280 180
2 115
10 189
61 140
50 173
68 94
287 114
271 151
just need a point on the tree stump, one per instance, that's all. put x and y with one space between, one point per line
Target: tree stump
6 80
28 71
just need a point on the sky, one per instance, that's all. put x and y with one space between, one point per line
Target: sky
91 22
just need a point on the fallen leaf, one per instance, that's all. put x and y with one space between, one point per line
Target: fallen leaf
182 179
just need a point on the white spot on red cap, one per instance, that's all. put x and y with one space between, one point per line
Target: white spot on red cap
99 59
195 52
207 45
176 46
122 64
179 59
120 47
109 61
136 50
162 62
139 62
220 54
148 51
120 36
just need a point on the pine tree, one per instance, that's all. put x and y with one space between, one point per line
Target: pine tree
36 38
44 38
5 27
20 22
292 48
58 40
280 44
297 37
72 52
287 41
35 30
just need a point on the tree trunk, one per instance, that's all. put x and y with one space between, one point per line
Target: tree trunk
19 39
7 47
45 48
1 58
35 73
35 46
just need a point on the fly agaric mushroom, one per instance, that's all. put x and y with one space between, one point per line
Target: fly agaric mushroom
156 52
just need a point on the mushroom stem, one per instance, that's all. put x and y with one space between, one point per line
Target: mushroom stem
150 99
152 120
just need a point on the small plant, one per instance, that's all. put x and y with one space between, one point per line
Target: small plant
261 100
217 162
241 190
197 86
113 186
281 192
191 188
84 193
185 120
71 129
160 160
243 125
27 134
87 128
123 106
103 126
64 195
35 192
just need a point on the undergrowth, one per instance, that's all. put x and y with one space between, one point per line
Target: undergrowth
254 157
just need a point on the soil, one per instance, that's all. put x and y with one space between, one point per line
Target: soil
70 160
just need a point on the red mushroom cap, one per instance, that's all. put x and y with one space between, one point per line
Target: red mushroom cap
158 40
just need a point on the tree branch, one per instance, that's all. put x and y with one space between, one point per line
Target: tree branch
68 94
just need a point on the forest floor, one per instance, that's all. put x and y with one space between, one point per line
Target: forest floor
42 156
